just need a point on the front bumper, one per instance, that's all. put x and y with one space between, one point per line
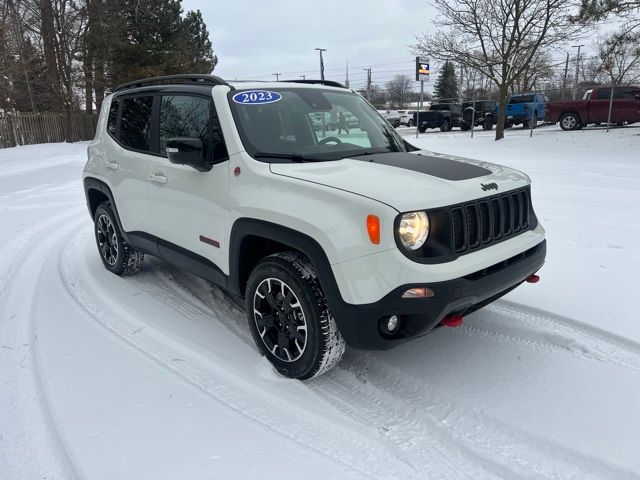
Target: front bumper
359 324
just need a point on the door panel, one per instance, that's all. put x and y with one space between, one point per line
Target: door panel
126 169
631 98
599 105
185 203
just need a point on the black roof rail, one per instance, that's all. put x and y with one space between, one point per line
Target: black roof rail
328 83
198 79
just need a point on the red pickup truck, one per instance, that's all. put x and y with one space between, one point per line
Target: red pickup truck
594 108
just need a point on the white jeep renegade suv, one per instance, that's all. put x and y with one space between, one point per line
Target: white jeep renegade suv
338 236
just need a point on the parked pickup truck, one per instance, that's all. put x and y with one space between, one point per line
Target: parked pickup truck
444 116
485 114
523 107
594 108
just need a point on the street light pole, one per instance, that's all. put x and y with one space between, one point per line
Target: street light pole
304 77
575 82
277 76
321 62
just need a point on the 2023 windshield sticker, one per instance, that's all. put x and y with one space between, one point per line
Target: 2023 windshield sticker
256 97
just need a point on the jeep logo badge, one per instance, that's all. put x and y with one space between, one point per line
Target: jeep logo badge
489 186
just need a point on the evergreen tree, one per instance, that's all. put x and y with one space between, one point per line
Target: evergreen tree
196 48
148 38
446 87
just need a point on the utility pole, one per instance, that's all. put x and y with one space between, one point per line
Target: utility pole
277 76
564 82
346 79
321 62
304 77
368 70
575 82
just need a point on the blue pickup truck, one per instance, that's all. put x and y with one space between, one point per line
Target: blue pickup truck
525 107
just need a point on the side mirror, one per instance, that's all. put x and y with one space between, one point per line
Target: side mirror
187 151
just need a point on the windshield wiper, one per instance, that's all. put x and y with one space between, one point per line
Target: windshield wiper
367 152
294 157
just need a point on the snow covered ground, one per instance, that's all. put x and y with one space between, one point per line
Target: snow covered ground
155 376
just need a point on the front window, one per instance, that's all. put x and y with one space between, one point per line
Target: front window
307 124
184 116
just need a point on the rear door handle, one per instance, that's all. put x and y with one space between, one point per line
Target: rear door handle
111 165
157 178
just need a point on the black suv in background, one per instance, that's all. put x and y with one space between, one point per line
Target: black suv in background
444 116
485 114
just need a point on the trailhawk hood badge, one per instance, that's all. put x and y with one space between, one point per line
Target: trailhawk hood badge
489 186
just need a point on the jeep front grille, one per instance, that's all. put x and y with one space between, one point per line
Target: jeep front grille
483 222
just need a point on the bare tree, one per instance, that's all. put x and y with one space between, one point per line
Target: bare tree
534 74
398 90
62 25
499 38
620 58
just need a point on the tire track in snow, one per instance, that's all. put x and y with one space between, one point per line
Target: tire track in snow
33 439
369 391
515 452
238 389
169 287
544 331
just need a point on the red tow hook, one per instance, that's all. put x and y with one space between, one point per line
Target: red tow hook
454 320
533 279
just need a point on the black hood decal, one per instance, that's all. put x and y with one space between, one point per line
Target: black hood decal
435 166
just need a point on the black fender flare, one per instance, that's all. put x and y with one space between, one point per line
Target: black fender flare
250 227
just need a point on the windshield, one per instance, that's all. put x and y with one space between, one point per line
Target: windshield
304 124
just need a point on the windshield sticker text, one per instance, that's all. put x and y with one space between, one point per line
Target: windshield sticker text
256 97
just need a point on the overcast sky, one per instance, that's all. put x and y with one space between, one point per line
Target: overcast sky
256 38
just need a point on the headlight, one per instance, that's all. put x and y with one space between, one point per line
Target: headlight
413 229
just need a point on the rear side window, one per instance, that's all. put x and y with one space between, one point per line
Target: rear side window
605 93
135 124
112 121
522 99
630 92
193 117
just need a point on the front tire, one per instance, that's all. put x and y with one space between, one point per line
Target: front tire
289 318
487 124
446 125
116 254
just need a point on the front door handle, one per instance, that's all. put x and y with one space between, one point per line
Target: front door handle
157 178
111 165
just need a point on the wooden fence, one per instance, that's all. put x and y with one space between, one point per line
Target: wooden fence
19 128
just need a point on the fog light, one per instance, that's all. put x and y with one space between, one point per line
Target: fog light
392 323
419 292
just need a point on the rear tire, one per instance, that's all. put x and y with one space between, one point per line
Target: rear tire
570 121
116 254
487 124
289 317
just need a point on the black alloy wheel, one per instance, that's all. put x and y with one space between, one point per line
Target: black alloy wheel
280 320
